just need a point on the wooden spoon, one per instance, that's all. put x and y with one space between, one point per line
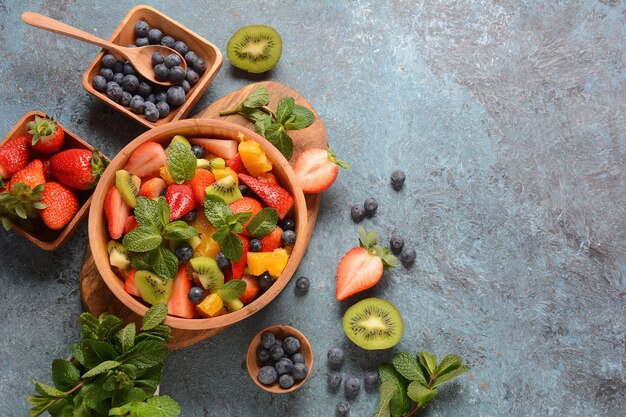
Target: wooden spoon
140 58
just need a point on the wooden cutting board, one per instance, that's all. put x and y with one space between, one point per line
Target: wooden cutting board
96 296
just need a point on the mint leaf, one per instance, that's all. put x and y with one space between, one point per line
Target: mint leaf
263 222
387 391
48 391
258 98
141 261
420 394
158 406
261 124
239 217
399 403
122 411
447 364
284 109
254 114
145 354
230 244
64 374
126 337
407 366
216 210
301 118
142 239
101 368
152 213
181 162
154 316
179 230
164 262
278 137
450 375
232 289
429 362
96 352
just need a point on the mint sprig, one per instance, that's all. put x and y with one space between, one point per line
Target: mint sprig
181 162
232 289
263 222
227 225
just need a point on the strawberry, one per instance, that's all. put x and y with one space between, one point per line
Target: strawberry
116 212
238 267
14 155
62 205
48 135
224 148
146 160
199 182
179 303
273 195
130 224
272 240
246 204
180 199
316 169
268 177
236 164
129 284
152 188
78 168
31 175
47 167
361 268
252 289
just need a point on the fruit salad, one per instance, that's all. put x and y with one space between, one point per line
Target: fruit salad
201 225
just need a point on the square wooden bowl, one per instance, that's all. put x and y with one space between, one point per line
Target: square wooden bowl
41 235
125 35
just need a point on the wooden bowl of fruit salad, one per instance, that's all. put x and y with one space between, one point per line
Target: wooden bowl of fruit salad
201 215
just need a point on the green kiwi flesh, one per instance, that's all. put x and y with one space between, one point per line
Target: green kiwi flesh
226 189
153 288
128 185
233 305
118 256
373 324
208 273
255 48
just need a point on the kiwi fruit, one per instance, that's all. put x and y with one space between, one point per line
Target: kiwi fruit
153 288
373 324
215 163
225 188
208 273
128 185
118 256
255 48
233 305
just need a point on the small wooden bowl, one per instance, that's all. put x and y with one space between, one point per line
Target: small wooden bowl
281 332
98 235
42 236
125 34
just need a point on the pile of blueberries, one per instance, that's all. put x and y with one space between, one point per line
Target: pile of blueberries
122 84
282 361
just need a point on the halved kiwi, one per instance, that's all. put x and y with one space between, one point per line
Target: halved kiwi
373 324
255 48
225 188
208 273
153 288
128 185
118 256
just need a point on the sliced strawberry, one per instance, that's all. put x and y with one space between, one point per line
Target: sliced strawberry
236 164
246 204
180 199
116 212
14 155
273 195
62 205
179 303
146 160
130 224
268 177
252 289
78 168
47 167
152 188
316 170
129 284
31 175
224 148
272 240
200 182
238 267
48 135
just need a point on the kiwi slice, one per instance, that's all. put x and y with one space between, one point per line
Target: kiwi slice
373 324
128 185
225 188
255 48
233 305
118 256
208 273
153 288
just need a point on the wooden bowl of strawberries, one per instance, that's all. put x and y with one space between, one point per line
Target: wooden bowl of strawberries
47 178
201 215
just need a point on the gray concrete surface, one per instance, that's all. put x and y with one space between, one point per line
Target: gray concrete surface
509 118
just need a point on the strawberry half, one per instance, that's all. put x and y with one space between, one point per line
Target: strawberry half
200 181
14 155
238 267
361 268
146 160
272 240
48 135
316 170
129 284
273 195
224 148
246 204
179 303
236 164
152 188
62 205
116 212
252 289
31 175
78 168
180 199
130 224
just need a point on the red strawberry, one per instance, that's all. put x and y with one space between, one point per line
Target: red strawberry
152 188
47 167
238 267
48 135
14 155
316 170
273 195
199 182
78 168
246 204
224 148
268 177
252 289
116 212
129 284
361 268
31 175
62 205
130 224
179 303
180 199
146 160
272 240
236 164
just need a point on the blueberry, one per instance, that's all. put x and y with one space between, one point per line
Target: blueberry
198 151
155 36
298 358
371 380
129 70
357 213
191 216
199 66
334 381
119 66
157 58
107 73
131 83
175 96
184 252
126 98
408 256
136 105
302 286
262 354
286 381
99 83
151 113
163 192
351 387
118 77
397 179
335 357
161 72
115 93
142 42
181 47
288 237
144 89
190 57
196 294
222 261
267 375
342 409
268 339
172 60
288 224
186 86
283 366
108 61
168 41
291 345
255 245
265 281
151 98
370 205
244 190
276 352
192 77
161 96
396 243
112 84
142 28
163 108
299 371
176 74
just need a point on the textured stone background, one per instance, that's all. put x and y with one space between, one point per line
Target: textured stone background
509 118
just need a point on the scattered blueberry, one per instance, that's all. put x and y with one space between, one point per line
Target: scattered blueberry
288 237
175 96
263 354
168 41
131 83
298 358
155 36
299 371
118 77
136 105
265 281
142 28
357 212
288 224
128 69
244 190
291 345
186 86
144 88
190 57
342 409
107 73
351 387
192 77
108 61
370 205
268 339
151 113
255 245
334 381
283 366
115 92
163 108
408 256
190 216
142 42
371 380
184 252
161 72
199 66
396 243
196 294
99 83
198 151
181 47
335 357
222 261
176 74
157 58
286 381
267 375
161 96
397 179
172 60
126 98
302 285
276 352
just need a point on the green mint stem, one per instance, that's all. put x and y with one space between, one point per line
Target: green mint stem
269 111
230 111
417 407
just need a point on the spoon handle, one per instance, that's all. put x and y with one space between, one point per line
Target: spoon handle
52 25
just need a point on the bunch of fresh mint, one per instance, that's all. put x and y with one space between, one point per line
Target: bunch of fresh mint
410 384
114 371
273 125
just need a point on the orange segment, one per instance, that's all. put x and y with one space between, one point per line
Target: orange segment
165 174
254 159
211 306
220 173
272 262
207 247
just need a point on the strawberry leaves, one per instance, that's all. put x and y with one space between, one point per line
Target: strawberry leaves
369 241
